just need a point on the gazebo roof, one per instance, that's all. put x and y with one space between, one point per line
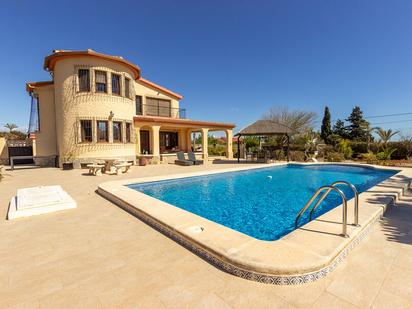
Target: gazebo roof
265 127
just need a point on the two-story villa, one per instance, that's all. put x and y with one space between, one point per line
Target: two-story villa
99 106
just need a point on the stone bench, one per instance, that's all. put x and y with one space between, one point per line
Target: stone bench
122 167
95 169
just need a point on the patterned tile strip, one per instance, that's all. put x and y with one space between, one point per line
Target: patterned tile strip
234 270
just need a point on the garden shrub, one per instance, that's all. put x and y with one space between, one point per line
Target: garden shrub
345 148
369 157
297 156
401 153
334 156
385 154
279 155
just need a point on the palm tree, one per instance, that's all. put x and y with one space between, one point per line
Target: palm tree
385 135
11 126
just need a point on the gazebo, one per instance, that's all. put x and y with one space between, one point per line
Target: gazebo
265 128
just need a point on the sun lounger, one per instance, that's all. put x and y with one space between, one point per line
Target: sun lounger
95 169
181 160
192 158
122 167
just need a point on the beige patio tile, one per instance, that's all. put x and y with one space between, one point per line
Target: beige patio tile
29 292
329 301
386 300
302 296
358 284
70 297
100 256
31 304
209 301
398 282
129 297
404 257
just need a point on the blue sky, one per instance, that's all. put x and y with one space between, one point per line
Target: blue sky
232 61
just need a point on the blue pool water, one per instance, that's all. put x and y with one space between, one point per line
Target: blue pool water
262 203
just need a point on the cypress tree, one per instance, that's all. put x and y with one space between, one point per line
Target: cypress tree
326 130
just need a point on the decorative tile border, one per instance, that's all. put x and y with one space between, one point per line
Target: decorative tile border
235 270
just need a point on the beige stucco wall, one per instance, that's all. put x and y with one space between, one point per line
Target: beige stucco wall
4 154
46 142
71 106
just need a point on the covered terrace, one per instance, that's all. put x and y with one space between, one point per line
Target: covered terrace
162 137
263 128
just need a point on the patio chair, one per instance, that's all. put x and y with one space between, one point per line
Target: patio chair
262 157
181 160
192 158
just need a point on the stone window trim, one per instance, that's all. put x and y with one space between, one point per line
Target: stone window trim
128 132
77 70
94 121
121 132
109 72
121 86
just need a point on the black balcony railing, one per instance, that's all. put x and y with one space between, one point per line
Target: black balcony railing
162 111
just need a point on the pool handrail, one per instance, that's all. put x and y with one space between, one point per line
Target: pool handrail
344 203
356 197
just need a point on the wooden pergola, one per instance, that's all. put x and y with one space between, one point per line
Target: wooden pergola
265 128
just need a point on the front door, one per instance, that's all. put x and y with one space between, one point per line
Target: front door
144 142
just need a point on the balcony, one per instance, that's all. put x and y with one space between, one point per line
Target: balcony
162 111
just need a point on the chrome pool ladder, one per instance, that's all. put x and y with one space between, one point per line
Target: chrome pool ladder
328 189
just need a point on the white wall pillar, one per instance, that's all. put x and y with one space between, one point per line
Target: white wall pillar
155 141
229 146
205 144
137 140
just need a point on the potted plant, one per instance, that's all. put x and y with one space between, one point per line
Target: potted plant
142 161
67 163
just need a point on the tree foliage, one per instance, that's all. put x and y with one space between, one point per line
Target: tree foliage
298 120
340 129
326 130
11 126
385 136
358 127
406 141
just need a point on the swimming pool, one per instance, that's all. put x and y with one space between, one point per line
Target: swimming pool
262 203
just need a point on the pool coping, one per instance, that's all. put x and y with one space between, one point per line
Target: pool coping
304 255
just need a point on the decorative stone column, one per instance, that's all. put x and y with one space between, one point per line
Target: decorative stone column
155 142
205 144
229 146
189 140
32 138
137 140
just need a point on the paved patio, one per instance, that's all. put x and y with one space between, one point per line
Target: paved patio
99 256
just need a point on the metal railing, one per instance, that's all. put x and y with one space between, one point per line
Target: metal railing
315 195
329 189
356 197
162 111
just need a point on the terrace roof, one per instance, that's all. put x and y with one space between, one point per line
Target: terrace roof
266 127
